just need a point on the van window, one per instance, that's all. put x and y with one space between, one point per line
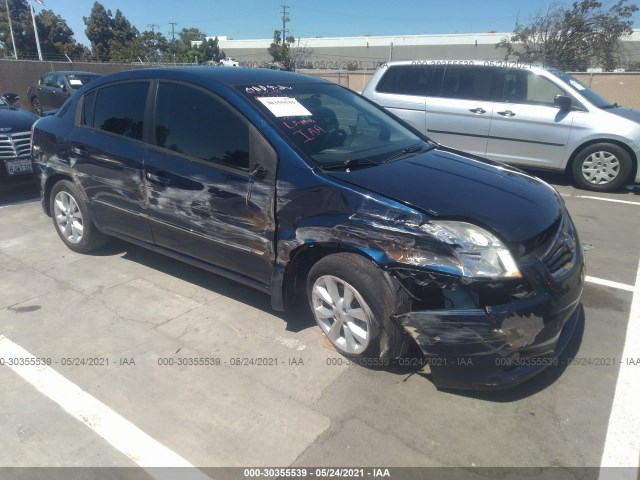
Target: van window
411 80
523 86
474 83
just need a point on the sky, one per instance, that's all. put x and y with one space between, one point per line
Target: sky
244 19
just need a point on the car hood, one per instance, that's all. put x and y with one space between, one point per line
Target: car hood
16 120
452 185
628 113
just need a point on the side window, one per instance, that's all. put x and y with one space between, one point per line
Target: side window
58 81
119 109
194 123
473 83
48 80
522 86
409 80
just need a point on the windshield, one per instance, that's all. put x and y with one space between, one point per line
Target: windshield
585 91
78 80
330 124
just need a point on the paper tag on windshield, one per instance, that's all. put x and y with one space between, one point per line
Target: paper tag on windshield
74 81
284 106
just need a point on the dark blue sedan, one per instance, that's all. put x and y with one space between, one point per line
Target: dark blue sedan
297 186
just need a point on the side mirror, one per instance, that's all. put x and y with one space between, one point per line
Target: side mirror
562 102
10 98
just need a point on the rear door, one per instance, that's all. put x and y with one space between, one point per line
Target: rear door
460 115
107 154
527 129
211 181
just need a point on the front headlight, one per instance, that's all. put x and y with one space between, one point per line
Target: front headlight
480 253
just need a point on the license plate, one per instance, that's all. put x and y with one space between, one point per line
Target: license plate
19 167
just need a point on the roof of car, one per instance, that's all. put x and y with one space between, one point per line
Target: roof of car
225 75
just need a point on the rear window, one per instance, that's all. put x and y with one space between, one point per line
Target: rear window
79 80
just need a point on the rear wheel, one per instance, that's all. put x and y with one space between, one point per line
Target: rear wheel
602 167
352 301
35 105
71 218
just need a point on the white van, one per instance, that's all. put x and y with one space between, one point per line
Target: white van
515 113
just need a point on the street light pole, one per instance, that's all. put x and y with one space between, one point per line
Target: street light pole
13 41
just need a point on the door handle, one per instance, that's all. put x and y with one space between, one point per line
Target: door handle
477 110
507 113
160 178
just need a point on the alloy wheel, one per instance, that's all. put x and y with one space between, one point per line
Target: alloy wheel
68 217
342 314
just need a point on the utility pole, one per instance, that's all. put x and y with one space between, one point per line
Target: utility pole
285 19
153 26
13 41
173 31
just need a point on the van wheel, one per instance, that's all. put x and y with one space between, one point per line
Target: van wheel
71 218
602 167
351 301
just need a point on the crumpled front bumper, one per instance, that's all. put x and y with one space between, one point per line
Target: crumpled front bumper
502 346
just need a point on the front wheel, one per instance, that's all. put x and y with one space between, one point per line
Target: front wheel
71 218
602 167
352 301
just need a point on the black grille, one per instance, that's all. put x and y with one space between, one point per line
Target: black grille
15 145
559 256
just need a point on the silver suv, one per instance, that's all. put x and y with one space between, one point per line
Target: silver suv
514 113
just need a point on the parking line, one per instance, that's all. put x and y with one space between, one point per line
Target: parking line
115 429
610 283
608 200
622 444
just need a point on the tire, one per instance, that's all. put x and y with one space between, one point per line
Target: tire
71 218
602 167
36 107
362 327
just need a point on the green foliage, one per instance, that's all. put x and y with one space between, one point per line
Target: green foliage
280 50
111 37
56 38
573 38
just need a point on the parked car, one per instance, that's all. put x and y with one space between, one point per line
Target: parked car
295 185
528 116
15 143
53 89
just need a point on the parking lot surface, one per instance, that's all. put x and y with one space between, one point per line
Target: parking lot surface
205 373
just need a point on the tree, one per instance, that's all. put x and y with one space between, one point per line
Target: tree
98 31
111 37
209 51
280 49
572 38
56 38
188 35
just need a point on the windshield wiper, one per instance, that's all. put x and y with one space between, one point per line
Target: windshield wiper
404 152
613 105
349 164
